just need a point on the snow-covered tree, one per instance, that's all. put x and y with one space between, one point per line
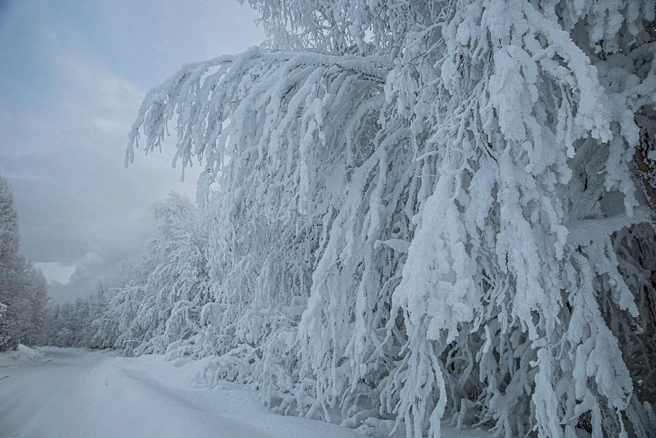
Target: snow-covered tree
35 305
23 289
150 303
9 236
439 208
174 286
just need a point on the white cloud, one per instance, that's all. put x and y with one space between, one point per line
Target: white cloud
56 271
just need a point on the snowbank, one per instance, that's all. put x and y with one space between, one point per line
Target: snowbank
154 397
22 355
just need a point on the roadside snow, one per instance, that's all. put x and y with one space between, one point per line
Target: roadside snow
21 356
153 399
80 393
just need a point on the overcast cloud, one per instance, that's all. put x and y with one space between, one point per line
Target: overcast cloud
72 76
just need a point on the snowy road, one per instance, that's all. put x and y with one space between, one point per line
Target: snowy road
77 393
47 399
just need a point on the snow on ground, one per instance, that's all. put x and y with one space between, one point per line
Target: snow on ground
79 393
23 355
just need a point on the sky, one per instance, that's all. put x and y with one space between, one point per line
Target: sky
72 76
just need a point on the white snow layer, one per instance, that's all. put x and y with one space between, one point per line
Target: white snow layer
22 355
79 393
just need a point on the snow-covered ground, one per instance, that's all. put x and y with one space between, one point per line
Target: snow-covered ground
79 393
22 356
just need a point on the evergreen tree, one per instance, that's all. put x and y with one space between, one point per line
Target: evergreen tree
23 289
